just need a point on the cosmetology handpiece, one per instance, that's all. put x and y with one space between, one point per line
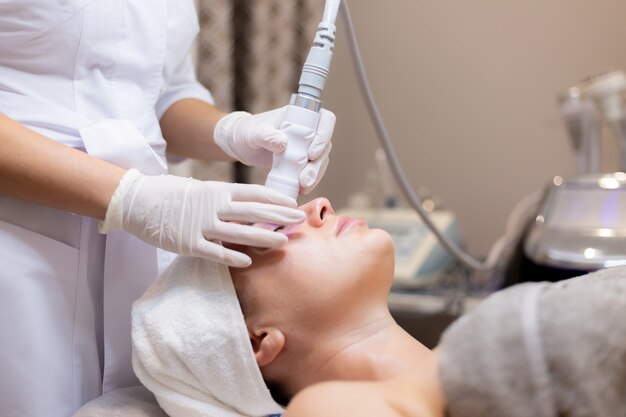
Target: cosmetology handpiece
302 114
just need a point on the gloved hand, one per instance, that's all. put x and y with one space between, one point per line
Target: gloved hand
252 139
189 217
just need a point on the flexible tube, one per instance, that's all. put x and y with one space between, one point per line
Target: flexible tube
394 163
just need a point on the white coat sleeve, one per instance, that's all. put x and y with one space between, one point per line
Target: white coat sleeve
182 84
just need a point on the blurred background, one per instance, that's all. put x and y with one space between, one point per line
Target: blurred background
468 90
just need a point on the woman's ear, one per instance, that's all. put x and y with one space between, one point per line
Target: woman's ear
267 343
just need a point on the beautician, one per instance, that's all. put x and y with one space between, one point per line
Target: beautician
92 93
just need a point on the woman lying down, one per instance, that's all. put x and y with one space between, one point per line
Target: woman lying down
316 311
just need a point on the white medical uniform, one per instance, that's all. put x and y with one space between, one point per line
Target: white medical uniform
95 75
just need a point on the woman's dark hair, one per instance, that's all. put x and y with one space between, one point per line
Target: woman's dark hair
279 393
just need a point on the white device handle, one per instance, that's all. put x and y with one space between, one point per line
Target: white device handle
302 116
300 125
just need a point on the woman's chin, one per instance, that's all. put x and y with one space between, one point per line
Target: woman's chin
381 251
384 241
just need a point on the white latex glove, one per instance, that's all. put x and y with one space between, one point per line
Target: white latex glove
191 217
252 139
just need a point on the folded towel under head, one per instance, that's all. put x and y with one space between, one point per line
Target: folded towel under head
191 347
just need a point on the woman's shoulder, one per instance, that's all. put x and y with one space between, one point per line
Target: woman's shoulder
364 399
339 398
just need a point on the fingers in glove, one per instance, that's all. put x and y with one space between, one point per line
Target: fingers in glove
323 135
271 139
218 253
262 131
313 172
261 194
252 212
243 234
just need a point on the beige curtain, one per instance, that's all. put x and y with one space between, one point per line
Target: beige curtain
249 55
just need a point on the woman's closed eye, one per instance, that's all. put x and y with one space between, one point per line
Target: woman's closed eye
270 226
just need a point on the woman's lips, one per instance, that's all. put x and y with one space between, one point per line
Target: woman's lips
344 222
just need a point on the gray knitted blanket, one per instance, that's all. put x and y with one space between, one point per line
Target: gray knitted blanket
541 350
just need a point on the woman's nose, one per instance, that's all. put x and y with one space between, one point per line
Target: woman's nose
317 211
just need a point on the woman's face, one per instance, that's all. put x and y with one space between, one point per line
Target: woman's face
330 262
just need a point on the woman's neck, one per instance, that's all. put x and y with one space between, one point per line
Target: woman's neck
376 349
417 391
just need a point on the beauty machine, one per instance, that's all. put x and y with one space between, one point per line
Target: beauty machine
581 223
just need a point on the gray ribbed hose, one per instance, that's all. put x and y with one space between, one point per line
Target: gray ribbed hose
385 142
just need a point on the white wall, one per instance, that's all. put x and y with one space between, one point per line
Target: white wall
468 90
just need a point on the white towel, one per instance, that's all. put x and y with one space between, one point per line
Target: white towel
191 347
